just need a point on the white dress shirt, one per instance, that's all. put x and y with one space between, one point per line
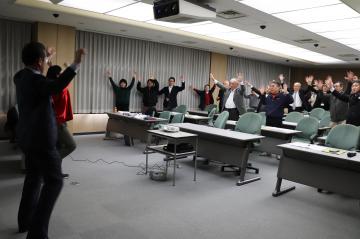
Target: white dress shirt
229 104
170 88
297 100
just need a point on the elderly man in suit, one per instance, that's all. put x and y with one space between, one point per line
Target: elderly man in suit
233 97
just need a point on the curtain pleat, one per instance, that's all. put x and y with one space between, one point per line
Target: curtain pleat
122 56
13 36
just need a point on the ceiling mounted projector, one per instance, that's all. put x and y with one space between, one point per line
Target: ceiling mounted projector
181 11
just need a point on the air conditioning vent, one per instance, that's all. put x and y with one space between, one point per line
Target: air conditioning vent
305 41
348 55
230 14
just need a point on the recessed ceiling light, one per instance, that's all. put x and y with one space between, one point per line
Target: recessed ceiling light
138 12
96 5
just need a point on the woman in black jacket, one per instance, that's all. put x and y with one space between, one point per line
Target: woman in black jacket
353 97
122 92
206 95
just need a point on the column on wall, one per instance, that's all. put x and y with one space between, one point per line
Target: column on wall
219 68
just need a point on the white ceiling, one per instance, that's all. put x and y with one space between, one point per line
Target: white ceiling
143 28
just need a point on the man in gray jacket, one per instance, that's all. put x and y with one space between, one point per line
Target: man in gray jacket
338 108
233 97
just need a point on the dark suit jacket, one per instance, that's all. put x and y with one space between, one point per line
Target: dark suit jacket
170 100
302 93
37 129
238 97
150 95
201 93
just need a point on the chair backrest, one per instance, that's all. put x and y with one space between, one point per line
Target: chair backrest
343 136
178 118
220 121
249 123
180 109
209 108
294 117
317 113
263 118
325 122
211 115
165 115
326 114
309 128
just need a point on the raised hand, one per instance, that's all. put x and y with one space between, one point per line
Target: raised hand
262 90
182 78
240 76
320 84
285 88
349 76
281 78
79 55
329 82
108 73
212 77
135 74
50 52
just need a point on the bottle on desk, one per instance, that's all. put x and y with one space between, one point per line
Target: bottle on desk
115 110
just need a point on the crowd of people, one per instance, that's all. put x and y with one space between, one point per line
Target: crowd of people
44 108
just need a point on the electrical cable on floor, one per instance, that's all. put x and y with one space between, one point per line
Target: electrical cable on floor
142 166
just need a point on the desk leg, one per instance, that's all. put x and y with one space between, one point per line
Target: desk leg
278 191
195 159
174 163
244 164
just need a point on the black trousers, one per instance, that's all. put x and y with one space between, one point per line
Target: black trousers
42 186
274 122
297 109
233 114
121 107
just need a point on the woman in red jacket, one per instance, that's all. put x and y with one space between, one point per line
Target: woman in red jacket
63 112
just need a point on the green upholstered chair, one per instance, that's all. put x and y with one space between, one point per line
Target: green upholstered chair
163 115
344 136
180 109
325 122
211 115
294 117
209 108
249 123
220 122
178 118
309 128
263 118
326 114
317 113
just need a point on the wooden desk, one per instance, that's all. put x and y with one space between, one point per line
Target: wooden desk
308 164
224 146
131 126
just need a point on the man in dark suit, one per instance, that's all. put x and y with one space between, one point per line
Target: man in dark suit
37 133
171 91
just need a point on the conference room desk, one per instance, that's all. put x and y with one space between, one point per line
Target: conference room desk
131 126
310 165
198 112
196 119
225 146
273 137
292 125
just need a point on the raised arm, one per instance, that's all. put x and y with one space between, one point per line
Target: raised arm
139 88
51 87
212 88
182 87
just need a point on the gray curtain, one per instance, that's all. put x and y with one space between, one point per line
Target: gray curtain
93 93
13 36
257 73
